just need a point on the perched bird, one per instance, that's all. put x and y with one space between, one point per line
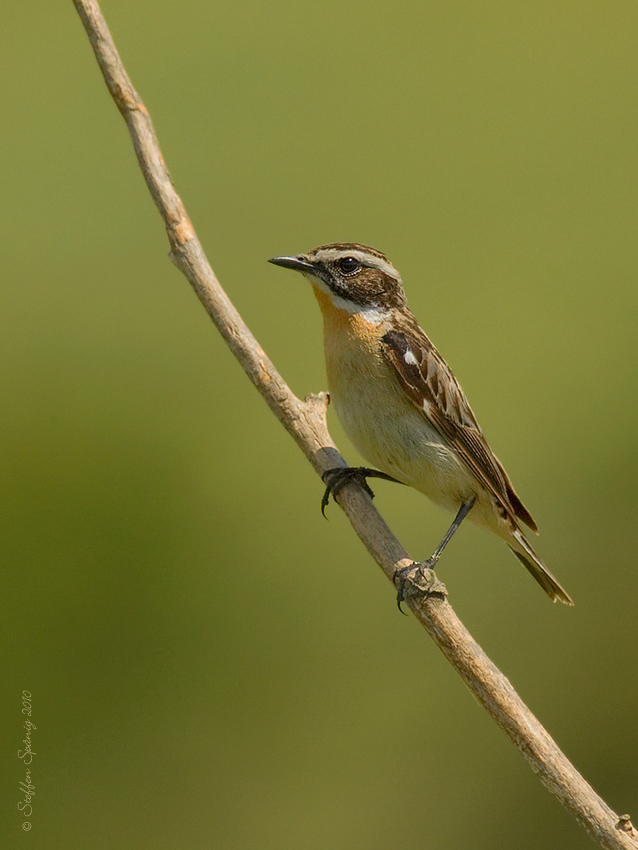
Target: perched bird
400 404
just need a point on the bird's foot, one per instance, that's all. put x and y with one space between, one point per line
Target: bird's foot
335 479
417 579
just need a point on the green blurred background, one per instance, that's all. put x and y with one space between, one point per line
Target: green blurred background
211 663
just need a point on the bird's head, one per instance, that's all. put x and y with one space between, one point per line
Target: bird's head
356 278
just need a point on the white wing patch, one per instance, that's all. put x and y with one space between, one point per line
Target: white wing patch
410 358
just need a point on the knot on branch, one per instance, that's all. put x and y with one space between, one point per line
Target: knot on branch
625 825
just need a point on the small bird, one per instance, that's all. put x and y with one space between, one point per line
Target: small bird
402 407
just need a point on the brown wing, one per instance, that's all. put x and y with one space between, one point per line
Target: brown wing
429 382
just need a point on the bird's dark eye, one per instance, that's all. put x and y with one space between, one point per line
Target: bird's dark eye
348 265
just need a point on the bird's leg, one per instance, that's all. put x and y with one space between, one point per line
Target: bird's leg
417 569
335 479
464 510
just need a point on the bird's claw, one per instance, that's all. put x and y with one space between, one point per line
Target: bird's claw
417 579
336 478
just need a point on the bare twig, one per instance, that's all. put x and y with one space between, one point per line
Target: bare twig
306 422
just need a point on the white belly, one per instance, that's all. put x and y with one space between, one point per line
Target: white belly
391 433
387 427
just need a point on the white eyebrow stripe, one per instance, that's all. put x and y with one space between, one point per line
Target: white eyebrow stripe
331 254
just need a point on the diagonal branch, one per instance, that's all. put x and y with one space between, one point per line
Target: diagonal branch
306 422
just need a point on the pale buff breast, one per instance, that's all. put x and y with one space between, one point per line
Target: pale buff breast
382 422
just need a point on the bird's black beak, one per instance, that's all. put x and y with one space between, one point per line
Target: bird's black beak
299 263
